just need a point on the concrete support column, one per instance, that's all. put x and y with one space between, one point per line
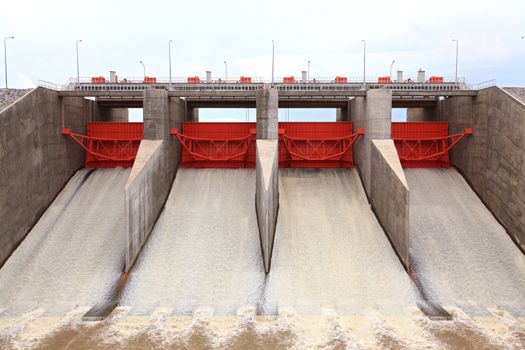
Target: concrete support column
156 115
267 105
119 115
343 114
424 114
374 114
195 115
267 170
107 114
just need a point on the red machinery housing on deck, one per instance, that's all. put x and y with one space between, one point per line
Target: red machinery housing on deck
301 145
425 144
109 144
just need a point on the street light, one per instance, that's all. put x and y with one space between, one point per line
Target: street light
364 62
457 51
5 57
169 55
391 69
143 68
78 70
308 72
273 56
225 71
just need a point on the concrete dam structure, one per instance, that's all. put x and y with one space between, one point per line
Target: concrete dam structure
244 235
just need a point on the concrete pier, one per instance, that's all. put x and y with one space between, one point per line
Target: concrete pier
267 195
154 169
390 196
267 103
267 170
374 114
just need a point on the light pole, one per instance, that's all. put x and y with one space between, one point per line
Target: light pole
169 56
225 71
273 56
457 54
143 68
78 69
308 72
364 62
5 57
391 65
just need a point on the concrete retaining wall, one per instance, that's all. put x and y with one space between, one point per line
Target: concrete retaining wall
493 159
36 161
390 196
267 195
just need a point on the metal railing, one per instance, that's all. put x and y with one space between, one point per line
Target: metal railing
235 84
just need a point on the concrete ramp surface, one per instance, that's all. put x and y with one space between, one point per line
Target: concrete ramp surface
75 253
329 249
204 250
460 254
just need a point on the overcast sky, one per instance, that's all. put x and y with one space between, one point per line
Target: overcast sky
118 34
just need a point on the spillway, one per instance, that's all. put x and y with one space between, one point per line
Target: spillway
462 256
329 249
204 250
75 252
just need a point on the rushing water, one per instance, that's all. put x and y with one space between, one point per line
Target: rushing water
199 283
461 254
204 250
329 249
75 252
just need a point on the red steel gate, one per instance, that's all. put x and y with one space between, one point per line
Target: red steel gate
425 144
109 144
301 145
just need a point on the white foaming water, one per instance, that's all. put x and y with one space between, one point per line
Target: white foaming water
204 250
76 250
462 255
329 249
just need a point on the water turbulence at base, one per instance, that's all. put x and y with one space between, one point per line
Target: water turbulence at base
330 251
75 252
204 250
462 256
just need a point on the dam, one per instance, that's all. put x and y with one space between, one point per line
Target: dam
359 232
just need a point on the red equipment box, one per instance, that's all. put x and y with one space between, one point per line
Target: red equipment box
289 80
194 80
434 79
98 80
341 80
